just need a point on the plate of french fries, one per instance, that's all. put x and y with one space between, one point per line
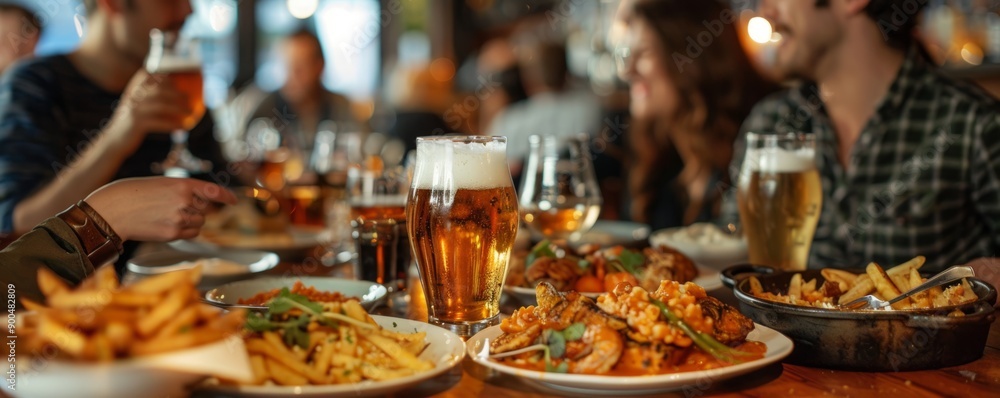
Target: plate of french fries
101 339
311 348
841 286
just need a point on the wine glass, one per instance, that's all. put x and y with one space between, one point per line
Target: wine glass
177 59
559 195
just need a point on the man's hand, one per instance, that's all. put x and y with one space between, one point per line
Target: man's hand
157 208
150 103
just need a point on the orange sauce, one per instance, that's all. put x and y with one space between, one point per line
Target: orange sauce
310 292
679 361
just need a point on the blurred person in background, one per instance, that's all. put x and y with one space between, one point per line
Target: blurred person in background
497 84
20 30
70 123
909 159
553 107
686 111
418 99
302 104
90 233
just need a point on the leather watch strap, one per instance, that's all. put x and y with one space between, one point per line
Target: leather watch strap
100 243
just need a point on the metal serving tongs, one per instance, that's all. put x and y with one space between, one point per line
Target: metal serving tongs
947 276
251 308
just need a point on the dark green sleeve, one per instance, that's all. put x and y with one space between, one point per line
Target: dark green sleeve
52 244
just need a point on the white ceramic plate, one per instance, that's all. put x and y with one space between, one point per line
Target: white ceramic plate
610 233
717 252
297 243
707 278
163 375
369 293
238 264
778 347
445 350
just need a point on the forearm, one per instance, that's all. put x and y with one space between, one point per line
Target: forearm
52 245
96 166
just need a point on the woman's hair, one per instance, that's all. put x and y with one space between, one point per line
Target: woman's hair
717 86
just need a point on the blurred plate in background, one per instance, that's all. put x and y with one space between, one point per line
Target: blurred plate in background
370 294
218 267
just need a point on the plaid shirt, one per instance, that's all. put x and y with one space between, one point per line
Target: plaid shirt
924 177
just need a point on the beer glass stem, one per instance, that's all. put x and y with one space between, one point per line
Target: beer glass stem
180 162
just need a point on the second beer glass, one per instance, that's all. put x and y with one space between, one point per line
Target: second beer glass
779 198
462 216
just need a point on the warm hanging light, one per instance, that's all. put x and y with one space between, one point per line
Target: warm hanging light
760 30
302 9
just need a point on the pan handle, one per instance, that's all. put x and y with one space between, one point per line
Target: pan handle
733 275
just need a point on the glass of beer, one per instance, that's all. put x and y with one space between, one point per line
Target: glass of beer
559 195
177 59
780 198
378 201
461 214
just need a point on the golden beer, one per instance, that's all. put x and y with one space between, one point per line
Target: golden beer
563 222
191 84
462 218
780 198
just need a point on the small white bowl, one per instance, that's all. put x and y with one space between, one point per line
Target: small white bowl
705 244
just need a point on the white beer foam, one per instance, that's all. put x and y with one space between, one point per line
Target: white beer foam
473 165
778 160
173 64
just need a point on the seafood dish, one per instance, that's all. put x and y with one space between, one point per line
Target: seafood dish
591 269
629 332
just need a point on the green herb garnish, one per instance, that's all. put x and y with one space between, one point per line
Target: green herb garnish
704 341
541 250
632 262
294 329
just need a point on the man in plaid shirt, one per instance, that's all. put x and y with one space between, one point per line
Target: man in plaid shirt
909 160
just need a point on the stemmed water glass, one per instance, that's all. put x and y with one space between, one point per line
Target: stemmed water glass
177 59
559 196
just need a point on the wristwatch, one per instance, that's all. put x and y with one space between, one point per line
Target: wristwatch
100 243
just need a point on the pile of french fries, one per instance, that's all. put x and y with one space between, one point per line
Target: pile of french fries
349 349
843 287
100 320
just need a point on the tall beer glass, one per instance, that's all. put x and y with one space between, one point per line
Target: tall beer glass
178 60
779 198
461 214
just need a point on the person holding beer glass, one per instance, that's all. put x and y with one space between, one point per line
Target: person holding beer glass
462 218
71 123
907 158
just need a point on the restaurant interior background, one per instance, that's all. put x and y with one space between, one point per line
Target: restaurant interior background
448 58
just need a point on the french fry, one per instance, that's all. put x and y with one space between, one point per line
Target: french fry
884 285
50 284
795 288
843 278
392 349
919 300
323 357
161 283
120 335
278 352
162 312
106 278
284 375
133 299
192 338
185 319
862 286
66 339
809 287
755 288
260 373
904 268
80 299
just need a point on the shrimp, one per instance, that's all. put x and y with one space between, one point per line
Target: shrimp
560 272
606 346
